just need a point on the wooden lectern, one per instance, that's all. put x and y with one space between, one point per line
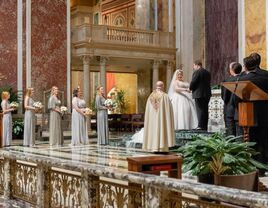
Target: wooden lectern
247 92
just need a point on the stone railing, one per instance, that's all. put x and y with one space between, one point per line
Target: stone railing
47 181
118 35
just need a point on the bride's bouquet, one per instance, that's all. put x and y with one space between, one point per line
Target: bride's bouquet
38 105
88 111
14 105
63 109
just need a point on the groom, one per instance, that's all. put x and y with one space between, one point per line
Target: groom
200 87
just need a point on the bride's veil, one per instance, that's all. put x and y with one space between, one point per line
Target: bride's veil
171 89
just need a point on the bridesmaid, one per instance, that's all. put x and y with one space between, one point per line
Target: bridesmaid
29 119
79 120
102 118
55 128
7 119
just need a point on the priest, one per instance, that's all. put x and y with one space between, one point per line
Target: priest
159 132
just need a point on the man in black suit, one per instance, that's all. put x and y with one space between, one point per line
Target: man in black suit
257 59
259 132
200 87
231 122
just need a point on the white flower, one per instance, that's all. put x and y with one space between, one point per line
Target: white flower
109 103
63 109
14 105
38 105
88 111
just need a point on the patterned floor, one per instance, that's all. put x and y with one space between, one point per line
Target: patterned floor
94 154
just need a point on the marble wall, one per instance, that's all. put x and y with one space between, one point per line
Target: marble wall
255 28
144 90
8 43
48 41
49 47
221 36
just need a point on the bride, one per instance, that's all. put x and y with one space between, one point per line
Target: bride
183 105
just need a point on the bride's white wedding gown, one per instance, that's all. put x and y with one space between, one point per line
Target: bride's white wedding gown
183 106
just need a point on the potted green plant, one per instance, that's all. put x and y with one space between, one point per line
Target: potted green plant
17 130
221 156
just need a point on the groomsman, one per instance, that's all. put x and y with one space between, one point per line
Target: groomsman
200 87
230 114
259 132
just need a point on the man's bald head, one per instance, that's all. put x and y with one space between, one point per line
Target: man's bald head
160 85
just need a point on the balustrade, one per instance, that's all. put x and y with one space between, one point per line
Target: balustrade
119 35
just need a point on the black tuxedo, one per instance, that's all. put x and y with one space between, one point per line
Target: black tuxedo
259 132
229 110
200 86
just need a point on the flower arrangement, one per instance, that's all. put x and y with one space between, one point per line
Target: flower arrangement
88 111
109 103
14 105
63 109
38 105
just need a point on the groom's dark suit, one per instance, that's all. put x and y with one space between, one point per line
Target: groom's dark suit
200 86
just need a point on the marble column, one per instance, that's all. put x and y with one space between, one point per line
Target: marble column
190 34
86 77
142 14
28 43
103 61
8 177
20 53
178 31
165 16
155 72
42 185
168 73
170 16
152 197
155 15
90 190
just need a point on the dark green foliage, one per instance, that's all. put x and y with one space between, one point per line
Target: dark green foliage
220 155
18 128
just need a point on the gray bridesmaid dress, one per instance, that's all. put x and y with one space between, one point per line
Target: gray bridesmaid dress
79 123
29 125
55 124
102 121
7 124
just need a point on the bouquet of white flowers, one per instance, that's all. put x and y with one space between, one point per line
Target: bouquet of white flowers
14 105
63 109
109 103
38 105
88 111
